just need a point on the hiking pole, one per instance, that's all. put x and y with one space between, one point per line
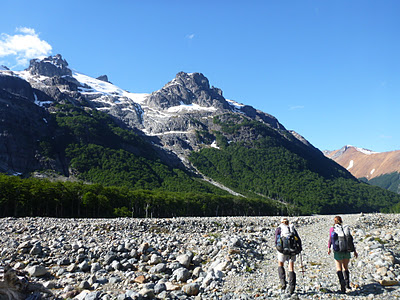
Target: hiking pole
302 272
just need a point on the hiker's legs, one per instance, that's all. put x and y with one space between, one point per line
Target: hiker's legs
345 264
281 271
339 265
346 273
291 266
292 282
292 274
282 277
339 269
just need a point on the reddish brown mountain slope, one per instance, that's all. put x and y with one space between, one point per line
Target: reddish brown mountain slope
365 163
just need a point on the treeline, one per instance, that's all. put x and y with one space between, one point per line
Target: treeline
38 197
272 166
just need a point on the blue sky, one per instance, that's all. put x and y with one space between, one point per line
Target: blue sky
330 70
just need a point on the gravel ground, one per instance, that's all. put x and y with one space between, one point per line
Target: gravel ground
193 258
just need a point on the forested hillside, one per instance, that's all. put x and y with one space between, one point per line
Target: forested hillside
99 151
124 177
278 167
390 181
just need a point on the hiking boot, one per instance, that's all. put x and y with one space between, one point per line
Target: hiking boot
282 277
342 282
346 276
292 282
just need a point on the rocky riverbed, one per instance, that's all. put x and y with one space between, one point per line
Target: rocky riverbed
190 258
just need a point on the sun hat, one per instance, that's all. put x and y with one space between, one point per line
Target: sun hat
284 219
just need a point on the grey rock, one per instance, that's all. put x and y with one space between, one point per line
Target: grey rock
181 274
84 266
147 293
159 288
36 249
93 295
37 271
95 267
159 268
72 268
184 259
115 279
155 259
84 285
63 261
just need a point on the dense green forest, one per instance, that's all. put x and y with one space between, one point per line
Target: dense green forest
390 181
118 173
128 178
40 197
278 167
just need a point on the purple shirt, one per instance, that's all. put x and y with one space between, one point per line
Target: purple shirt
330 239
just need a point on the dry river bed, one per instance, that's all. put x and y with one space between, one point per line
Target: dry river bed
190 258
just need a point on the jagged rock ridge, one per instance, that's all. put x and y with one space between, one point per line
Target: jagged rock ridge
169 117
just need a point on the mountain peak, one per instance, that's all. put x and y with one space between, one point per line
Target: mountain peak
188 88
103 78
50 66
193 79
345 149
362 150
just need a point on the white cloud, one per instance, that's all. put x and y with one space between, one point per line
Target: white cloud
295 107
190 36
383 136
23 46
26 30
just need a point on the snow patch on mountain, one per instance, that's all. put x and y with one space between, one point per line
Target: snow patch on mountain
351 164
41 103
29 77
235 105
101 87
362 150
164 133
214 145
189 107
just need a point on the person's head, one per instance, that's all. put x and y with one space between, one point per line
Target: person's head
337 220
285 220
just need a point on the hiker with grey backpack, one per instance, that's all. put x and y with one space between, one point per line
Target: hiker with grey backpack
341 241
288 244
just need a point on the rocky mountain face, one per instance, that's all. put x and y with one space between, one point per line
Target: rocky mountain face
170 118
23 125
366 163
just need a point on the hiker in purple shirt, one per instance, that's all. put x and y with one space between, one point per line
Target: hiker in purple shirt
341 258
